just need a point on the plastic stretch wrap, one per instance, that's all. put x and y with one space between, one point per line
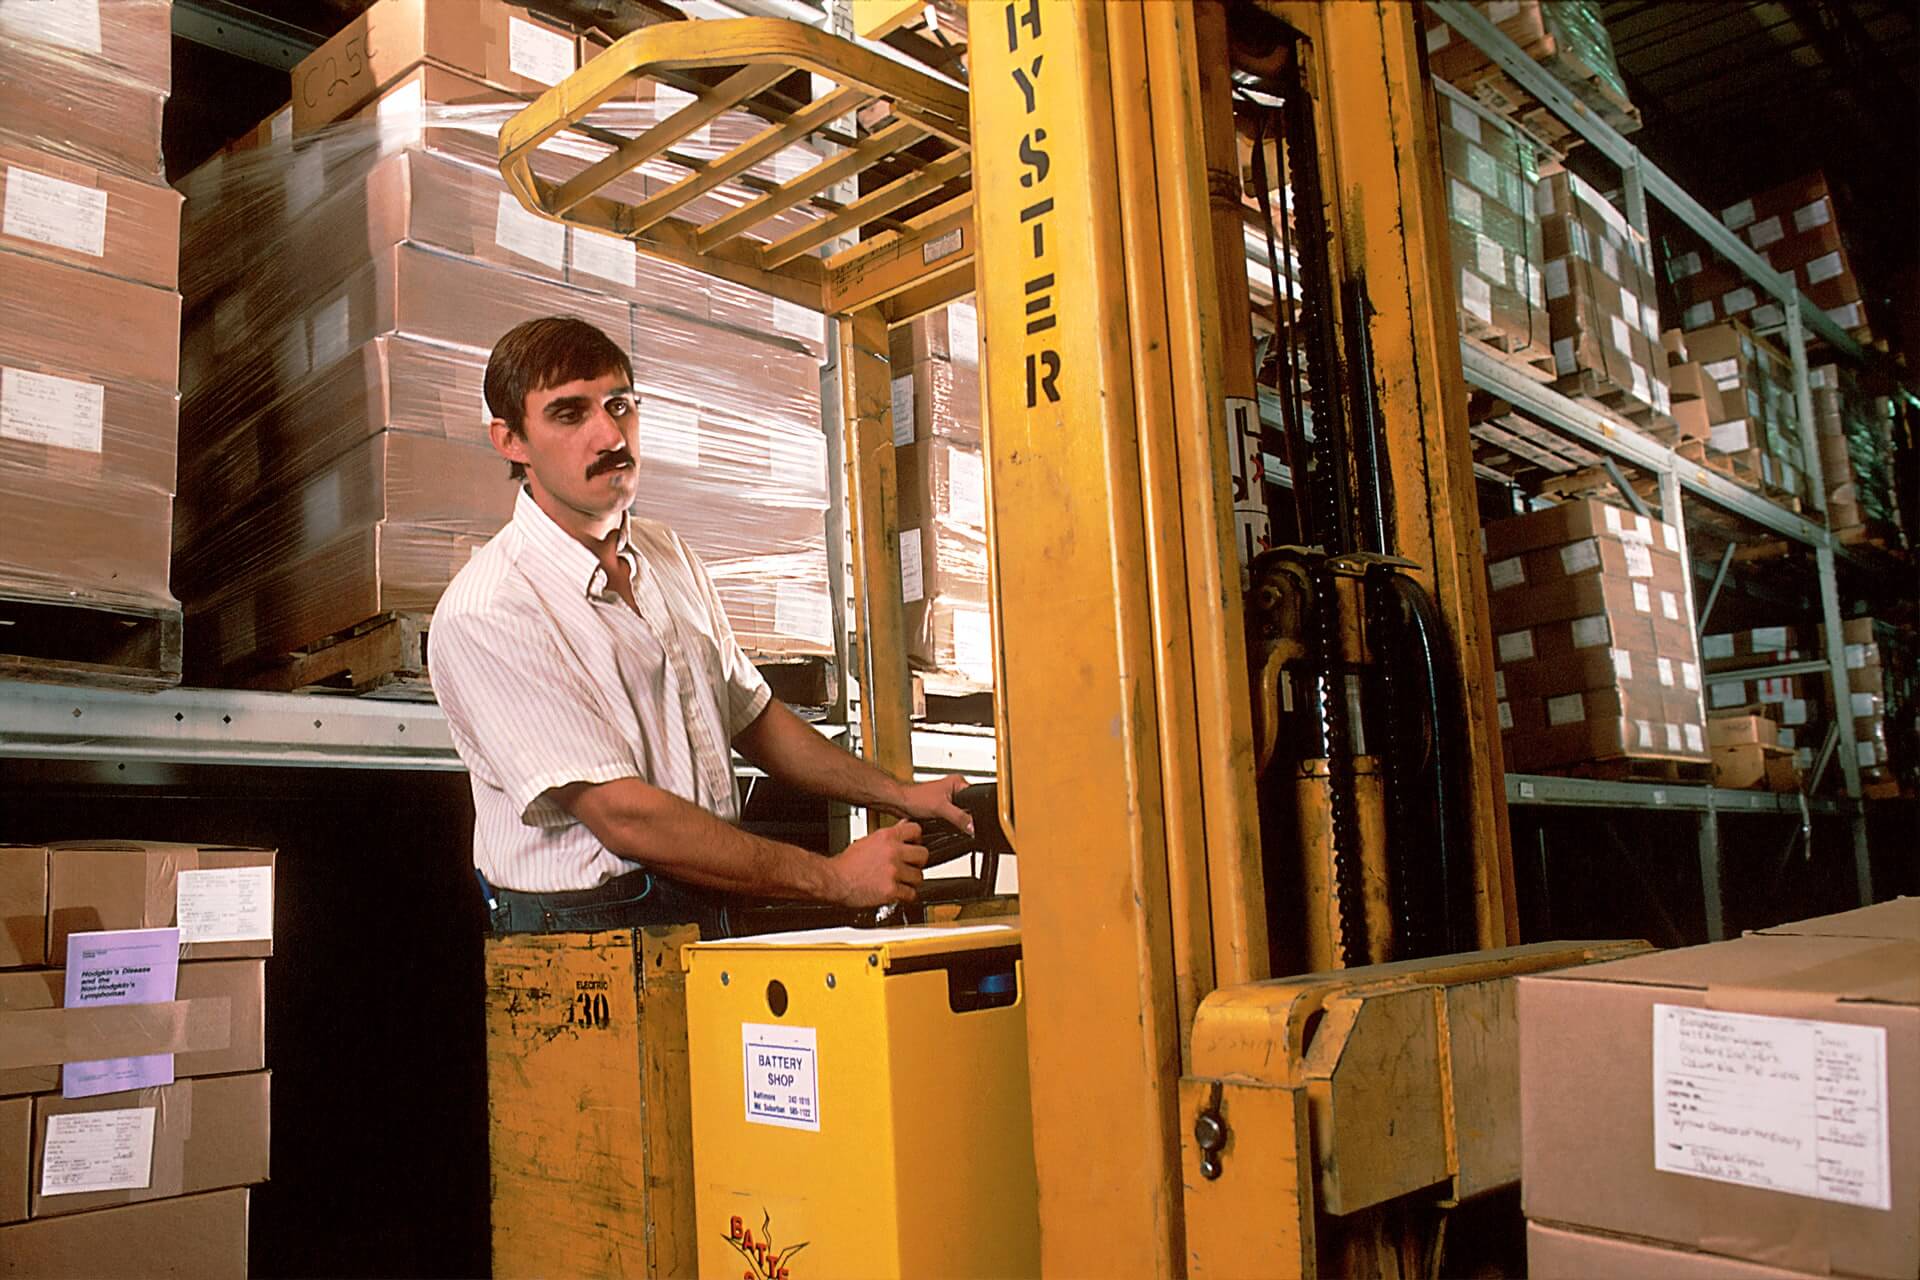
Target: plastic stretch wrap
1600 295
1757 423
1491 171
1567 37
1856 449
344 289
89 325
943 557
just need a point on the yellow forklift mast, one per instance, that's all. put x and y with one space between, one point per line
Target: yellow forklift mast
1205 758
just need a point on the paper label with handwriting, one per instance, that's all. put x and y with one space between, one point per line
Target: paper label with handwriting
225 904
41 408
537 53
53 211
608 257
801 612
98 1151
912 572
1787 1104
963 334
967 488
902 406
528 234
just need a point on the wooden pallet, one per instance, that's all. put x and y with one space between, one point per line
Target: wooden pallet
1517 354
1644 768
802 681
383 657
85 642
945 698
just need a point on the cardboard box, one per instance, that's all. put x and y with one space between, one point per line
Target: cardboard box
1562 1253
23 905
508 47
1600 296
86 216
1897 920
942 513
208 1134
78 109
215 1025
200 1237
125 884
133 39
1740 766
1595 668
16 1157
936 400
1569 522
85 425
68 317
1491 169
1614 558
1625 1140
1563 639
58 546
1727 731
1588 740
950 333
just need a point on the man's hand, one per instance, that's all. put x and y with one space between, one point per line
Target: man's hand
882 867
923 800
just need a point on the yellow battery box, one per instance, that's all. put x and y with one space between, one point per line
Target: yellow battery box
860 1104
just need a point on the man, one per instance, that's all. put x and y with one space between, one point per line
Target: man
593 687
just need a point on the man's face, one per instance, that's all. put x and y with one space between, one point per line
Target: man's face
577 444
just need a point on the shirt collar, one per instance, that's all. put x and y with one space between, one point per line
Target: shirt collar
566 554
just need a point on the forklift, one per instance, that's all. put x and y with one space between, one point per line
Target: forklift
1243 731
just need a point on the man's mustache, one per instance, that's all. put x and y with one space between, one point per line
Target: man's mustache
609 462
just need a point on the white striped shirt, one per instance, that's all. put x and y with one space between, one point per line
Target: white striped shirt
547 678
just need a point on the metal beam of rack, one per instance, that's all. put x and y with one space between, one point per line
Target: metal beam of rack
1594 793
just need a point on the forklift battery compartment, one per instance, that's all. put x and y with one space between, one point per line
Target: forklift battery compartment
860 1104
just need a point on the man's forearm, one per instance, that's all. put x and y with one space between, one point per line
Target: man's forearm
790 750
644 824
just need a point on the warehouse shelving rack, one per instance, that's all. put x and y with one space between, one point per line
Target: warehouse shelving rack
1681 480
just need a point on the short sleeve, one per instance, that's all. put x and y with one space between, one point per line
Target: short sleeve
520 719
747 694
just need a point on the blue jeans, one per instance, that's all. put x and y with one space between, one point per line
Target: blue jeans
629 901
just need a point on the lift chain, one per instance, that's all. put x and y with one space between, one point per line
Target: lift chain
1386 631
1342 797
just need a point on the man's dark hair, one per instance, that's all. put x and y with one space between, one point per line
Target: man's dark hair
548 352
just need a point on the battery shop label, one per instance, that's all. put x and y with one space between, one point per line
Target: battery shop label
782 1075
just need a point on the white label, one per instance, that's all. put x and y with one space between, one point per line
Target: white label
1850 316
1670 606
942 247
1610 516
73 23
782 1074
42 409
669 432
397 117
1569 708
1642 529
1665 666
1676 741
801 612
903 409
1793 711
1491 258
1696 741
1463 119
1516 646
796 321
1645 729
528 234
973 643
306 181
52 211
1690 676
1609 260
98 1151
1687 264
1506 715
1809 216
1511 572
1535 294
1739 300
1866 704
1768 639
1650 322
1697 315
1788 1104
1765 232
1466 202
1557 278
225 904
1785 737
1563 361
1732 694
1825 267
280 126
1866 754
1639 559
1642 389
537 53
1622 340
1482 173
1768 316
1499 684
1476 297
290 360
608 257
1729 437
1670 538
966 488
1439 36
1642 598
1578 557
963 334
913 584
330 332
1622 663
1857 656
1630 310
1725 373
1591 632
1738 215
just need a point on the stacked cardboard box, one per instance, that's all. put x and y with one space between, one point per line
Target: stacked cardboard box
1855 434
1747 754
89 313
131 1128
943 507
1600 297
1754 1114
1792 226
1492 168
1568 37
1802 707
1594 638
348 267
1753 420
